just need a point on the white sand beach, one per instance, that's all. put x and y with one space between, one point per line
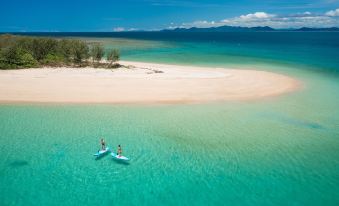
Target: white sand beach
141 83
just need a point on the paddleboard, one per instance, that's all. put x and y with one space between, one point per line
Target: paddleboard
101 152
119 157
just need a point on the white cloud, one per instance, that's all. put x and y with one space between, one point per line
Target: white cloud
256 15
201 24
333 13
119 29
306 19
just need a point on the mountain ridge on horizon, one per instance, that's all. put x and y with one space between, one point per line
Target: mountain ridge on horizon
246 29
197 29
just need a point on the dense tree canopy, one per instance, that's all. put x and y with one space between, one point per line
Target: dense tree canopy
26 52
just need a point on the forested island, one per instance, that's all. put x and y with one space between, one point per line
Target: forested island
18 52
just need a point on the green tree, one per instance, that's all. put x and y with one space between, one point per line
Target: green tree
97 52
15 57
113 56
53 60
43 46
10 55
65 49
27 60
4 61
80 51
23 52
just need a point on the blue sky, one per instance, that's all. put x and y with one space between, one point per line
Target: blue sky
124 15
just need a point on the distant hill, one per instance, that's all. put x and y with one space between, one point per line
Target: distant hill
317 29
245 29
221 29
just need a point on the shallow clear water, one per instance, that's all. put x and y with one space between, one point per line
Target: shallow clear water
278 151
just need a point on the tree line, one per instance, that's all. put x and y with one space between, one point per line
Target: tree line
29 52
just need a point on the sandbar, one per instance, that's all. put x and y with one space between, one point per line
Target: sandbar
140 82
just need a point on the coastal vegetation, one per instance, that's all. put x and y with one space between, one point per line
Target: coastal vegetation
29 52
97 52
113 56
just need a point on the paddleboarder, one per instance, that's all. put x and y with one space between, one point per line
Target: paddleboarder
103 144
119 150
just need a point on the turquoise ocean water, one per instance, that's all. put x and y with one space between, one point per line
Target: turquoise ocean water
278 151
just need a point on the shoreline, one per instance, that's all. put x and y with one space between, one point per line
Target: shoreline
141 83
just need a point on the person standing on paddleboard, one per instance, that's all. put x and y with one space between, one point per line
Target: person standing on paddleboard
119 150
103 144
